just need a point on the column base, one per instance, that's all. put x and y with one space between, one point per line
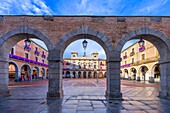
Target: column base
138 78
114 95
52 95
5 93
163 95
151 79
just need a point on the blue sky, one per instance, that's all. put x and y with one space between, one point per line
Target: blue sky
86 7
92 46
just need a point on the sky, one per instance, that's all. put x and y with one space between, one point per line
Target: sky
86 7
92 46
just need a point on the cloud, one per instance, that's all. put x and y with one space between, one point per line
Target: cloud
26 7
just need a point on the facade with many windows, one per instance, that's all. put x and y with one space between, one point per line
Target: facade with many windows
28 62
140 63
84 67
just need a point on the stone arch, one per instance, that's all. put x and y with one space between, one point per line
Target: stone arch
113 91
133 71
34 73
143 71
17 70
7 41
30 69
155 74
89 33
157 38
162 43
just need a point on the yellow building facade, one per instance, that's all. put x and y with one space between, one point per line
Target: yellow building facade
84 67
28 62
140 63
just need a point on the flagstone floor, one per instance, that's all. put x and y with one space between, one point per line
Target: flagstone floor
84 96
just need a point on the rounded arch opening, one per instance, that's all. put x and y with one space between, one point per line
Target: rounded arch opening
26 72
13 71
36 73
156 72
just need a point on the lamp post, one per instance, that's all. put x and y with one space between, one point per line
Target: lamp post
141 42
84 46
27 42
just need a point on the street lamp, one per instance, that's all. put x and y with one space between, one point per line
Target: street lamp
141 42
27 42
84 46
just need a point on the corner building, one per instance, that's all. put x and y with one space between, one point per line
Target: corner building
84 67
140 63
27 63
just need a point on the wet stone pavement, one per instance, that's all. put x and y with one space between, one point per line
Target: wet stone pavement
84 96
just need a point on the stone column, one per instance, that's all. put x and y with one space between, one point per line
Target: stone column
151 76
4 68
55 89
113 80
87 74
164 91
138 76
17 75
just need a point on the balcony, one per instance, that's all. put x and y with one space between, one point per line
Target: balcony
132 53
125 56
27 48
126 65
142 48
43 56
26 60
148 60
37 52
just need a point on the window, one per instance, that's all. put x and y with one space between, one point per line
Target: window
94 66
94 56
43 61
36 48
132 49
26 55
43 52
74 56
132 60
143 56
12 51
36 59
125 53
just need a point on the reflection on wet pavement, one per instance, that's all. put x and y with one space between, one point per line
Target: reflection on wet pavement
84 96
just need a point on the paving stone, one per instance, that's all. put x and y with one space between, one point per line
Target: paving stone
81 99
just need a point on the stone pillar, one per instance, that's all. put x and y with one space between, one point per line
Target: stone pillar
113 80
87 74
151 76
55 79
164 91
44 76
4 68
17 75
138 76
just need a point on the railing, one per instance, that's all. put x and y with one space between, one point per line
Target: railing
43 56
132 53
27 48
37 52
148 60
27 60
142 48
125 56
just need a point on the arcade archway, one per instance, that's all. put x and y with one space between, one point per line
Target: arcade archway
14 73
161 42
113 90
